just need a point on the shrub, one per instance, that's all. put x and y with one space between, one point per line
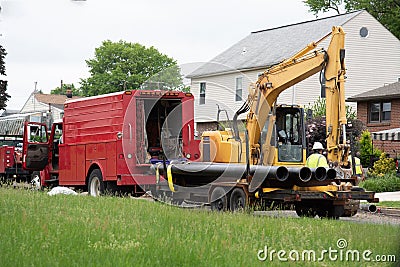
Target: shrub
383 166
366 148
386 183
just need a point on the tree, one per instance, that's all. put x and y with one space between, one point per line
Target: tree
63 90
119 66
316 126
4 96
386 12
319 109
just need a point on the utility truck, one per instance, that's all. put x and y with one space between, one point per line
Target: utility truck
265 163
11 159
108 142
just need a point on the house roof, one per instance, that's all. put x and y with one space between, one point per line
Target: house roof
389 91
52 99
264 48
13 124
6 112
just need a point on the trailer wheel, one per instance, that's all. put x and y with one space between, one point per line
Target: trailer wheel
95 185
238 200
219 199
331 212
351 207
302 211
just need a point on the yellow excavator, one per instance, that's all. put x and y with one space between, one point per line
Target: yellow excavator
265 163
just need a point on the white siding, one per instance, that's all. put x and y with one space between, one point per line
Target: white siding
33 105
371 62
220 90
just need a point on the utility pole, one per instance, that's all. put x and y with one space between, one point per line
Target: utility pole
33 95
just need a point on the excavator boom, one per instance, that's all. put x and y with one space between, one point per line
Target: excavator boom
291 71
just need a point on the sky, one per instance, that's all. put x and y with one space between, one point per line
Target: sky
49 40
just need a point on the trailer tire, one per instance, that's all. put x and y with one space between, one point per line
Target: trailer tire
331 212
219 199
238 200
303 211
96 184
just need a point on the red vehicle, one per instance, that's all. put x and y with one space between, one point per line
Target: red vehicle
109 142
11 159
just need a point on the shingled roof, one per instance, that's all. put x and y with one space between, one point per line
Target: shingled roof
389 91
264 48
52 99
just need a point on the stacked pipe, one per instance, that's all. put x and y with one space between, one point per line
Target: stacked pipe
258 172
322 173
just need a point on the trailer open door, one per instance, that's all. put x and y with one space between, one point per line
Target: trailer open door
35 152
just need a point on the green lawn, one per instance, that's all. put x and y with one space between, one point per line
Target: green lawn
41 230
389 204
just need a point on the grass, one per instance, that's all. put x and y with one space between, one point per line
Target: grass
389 204
41 230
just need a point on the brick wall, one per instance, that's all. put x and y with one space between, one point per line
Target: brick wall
362 114
391 148
386 146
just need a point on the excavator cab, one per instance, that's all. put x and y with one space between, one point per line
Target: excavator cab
289 135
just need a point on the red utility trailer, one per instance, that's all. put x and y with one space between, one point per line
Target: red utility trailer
108 142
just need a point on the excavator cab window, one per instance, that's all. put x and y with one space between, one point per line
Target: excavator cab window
290 133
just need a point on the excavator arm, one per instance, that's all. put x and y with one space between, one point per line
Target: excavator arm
289 72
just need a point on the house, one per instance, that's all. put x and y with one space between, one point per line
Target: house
7 112
44 104
372 59
379 110
38 108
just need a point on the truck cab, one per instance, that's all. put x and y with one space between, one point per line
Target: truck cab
11 159
40 151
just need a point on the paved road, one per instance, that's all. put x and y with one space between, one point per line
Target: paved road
388 196
360 217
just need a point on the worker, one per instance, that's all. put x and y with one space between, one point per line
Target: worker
317 159
357 161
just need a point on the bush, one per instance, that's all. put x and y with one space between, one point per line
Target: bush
366 148
386 183
383 166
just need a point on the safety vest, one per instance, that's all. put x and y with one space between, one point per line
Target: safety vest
357 162
316 160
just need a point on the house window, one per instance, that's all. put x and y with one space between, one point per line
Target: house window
386 108
202 93
380 111
364 32
239 89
